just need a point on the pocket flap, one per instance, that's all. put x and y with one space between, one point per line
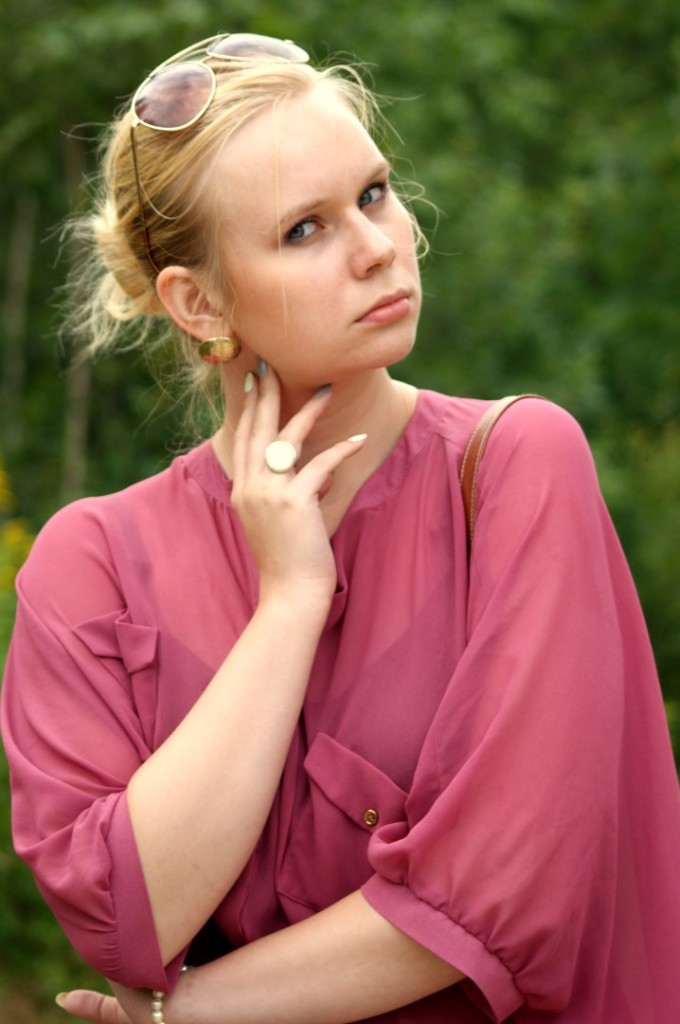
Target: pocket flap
363 792
114 636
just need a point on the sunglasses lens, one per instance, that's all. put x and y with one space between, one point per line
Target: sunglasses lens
175 97
244 45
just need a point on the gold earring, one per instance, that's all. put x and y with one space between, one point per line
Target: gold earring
219 350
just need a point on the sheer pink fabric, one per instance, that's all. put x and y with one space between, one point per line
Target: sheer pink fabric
487 758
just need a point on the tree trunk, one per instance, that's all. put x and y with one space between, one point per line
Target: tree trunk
78 377
21 242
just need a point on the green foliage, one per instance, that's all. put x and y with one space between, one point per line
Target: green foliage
15 543
673 714
650 463
546 134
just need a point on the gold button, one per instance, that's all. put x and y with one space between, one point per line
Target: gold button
371 817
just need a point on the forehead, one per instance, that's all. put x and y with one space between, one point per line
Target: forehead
293 151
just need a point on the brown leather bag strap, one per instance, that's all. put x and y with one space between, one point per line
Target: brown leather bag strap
473 456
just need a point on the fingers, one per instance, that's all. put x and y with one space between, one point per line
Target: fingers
299 425
244 428
266 419
260 420
93 1006
266 414
317 475
280 509
259 426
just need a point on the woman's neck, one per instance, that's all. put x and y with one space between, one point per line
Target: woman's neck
373 404
381 410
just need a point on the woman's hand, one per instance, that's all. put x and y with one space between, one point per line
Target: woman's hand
280 512
86 1004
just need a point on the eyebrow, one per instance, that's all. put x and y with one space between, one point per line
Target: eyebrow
301 209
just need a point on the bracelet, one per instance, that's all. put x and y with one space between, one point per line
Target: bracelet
157 1002
157 1007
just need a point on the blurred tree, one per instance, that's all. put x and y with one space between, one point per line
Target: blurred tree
546 134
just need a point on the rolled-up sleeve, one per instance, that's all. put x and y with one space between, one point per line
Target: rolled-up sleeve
516 850
74 736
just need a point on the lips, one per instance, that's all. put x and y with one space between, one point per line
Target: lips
388 308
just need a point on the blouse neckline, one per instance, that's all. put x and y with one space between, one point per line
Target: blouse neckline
204 467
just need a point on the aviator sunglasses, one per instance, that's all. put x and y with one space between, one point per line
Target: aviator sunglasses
179 91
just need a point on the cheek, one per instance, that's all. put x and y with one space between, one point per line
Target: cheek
297 300
256 300
276 315
275 303
407 235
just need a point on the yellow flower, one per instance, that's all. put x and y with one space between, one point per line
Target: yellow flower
15 537
6 496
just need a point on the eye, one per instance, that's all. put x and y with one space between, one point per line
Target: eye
301 231
373 194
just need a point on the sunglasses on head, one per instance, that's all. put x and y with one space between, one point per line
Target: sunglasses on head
179 91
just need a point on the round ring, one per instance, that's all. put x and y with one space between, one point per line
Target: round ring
280 456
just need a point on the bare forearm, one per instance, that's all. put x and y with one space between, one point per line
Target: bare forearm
199 803
344 964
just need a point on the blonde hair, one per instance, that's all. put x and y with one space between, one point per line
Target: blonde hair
111 293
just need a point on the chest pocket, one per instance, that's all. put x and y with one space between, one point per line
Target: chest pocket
344 800
130 651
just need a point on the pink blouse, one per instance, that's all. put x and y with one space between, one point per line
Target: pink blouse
484 754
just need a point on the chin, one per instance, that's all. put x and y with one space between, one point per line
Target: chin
392 350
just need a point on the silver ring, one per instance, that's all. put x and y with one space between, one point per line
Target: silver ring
280 456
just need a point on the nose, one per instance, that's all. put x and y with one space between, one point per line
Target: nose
371 247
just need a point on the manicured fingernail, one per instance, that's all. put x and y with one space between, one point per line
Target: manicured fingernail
60 1000
249 382
357 438
322 391
261 367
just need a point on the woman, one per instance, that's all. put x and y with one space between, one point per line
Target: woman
263 689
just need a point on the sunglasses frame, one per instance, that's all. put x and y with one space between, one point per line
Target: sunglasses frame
207 47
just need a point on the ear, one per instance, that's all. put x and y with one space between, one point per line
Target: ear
184 297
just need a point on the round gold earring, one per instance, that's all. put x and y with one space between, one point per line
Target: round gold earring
219 350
